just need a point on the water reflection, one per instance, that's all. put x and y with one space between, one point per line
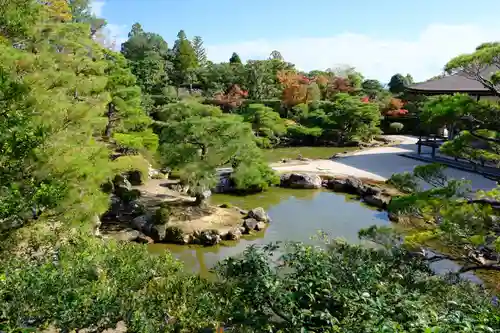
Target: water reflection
296 215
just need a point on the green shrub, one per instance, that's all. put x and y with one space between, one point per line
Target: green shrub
174 235
274 104
130 195
135 163
254 177
405 182
348 288
162 215
397 127
91 283
137 140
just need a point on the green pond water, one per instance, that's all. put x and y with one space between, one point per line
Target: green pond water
296 215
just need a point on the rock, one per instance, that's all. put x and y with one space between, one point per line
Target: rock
371 190
127 235
378 200
135 177
300 181
135 208
209 237
243 212
250 224
174 235
179 188
120 328
142 223
234 234
205 194
96 224
258 214
121 185
260 226
338 185
397 218
354 185
143 239
158 232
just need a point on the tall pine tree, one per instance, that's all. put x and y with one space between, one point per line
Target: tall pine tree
127 122
185 60
199 50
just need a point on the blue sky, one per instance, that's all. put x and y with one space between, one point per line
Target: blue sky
377 37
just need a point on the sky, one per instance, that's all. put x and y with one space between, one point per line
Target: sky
378 38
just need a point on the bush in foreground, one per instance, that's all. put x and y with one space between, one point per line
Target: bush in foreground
88 283
348 288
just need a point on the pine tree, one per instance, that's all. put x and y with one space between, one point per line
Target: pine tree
275 55
235 59
149 59
184 59
128 124
199 50
52 109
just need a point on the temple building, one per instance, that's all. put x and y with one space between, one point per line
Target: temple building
456 83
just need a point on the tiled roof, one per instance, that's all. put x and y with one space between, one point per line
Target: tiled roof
458 82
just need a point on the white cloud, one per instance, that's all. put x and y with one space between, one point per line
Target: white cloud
117 34
379 58
96 7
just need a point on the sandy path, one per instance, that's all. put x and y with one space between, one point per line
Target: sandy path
378 164
341 169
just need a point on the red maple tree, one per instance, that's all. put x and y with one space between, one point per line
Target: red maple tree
231 99
294 87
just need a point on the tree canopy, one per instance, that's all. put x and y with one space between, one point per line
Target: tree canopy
481 65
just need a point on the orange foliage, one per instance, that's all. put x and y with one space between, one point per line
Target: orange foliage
393 107
339 85
232 98
294 87
395 104
322 80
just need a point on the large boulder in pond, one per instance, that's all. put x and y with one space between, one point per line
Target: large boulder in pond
354 185
300 180
378 200
250 224
338 185
142 223
259 214
209 237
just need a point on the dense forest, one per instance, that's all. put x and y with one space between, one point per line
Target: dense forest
75 114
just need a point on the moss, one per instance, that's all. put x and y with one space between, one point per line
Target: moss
131 195
174 235
162 215
128 164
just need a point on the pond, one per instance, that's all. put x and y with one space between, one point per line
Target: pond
296 215
277 154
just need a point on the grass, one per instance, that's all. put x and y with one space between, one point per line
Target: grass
277 154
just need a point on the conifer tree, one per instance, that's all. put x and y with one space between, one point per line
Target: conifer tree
185 60
199 50
127 122
235 59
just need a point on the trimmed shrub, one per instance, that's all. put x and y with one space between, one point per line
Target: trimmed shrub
397 127
162 215
132 164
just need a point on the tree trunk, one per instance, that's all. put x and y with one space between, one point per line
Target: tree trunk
109 126
200 200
